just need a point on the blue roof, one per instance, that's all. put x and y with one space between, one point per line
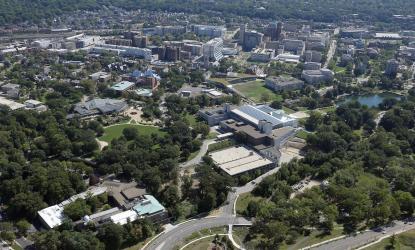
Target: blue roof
121 86
148 206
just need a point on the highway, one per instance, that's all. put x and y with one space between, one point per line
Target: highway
366 237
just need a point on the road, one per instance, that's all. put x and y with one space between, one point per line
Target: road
226 217
170 238
330 53
365 238
199 156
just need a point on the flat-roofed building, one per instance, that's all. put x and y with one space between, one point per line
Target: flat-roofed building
11 104
123 86
281 83
100 76
262 55
124 217
257 116
149 207
52 216
317 76
98 107
239 159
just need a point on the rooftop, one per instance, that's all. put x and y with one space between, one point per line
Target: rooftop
254 114
121 86
124 217
238 159
11 104
148 206
52 216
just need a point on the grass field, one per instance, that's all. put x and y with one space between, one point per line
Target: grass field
302 134
403 241
256 90
115 131
221 145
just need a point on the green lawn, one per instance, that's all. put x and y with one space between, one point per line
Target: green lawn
191 119
288 110
113 132
243 201
212 135
327 109
302 134
202 244
315 237
403 241
256 90
221 145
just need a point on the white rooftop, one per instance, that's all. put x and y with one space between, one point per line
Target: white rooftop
53 216
238 159
11 104
124 217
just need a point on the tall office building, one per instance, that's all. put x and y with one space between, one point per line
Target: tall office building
273 31
242 30
252 39
172 54
392 67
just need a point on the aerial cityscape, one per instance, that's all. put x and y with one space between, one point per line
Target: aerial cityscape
207 124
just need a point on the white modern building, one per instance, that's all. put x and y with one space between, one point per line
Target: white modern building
209 30
53 216
124 51
212 50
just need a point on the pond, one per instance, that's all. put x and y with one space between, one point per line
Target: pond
370 100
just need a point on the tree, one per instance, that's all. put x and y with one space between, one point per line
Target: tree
313 121
276 105
265 97
130 133
406 202
22 226
25 205
112 236
6 231
77 209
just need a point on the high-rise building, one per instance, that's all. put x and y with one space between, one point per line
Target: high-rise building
212 50
242 30
273 31
392 67
140 41
252 39
172 54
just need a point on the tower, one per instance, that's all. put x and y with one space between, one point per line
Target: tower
242 34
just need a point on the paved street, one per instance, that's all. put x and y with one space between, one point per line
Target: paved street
364 238
168 239
198 158
226 217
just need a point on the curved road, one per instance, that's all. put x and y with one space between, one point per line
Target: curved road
168 239
203 150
